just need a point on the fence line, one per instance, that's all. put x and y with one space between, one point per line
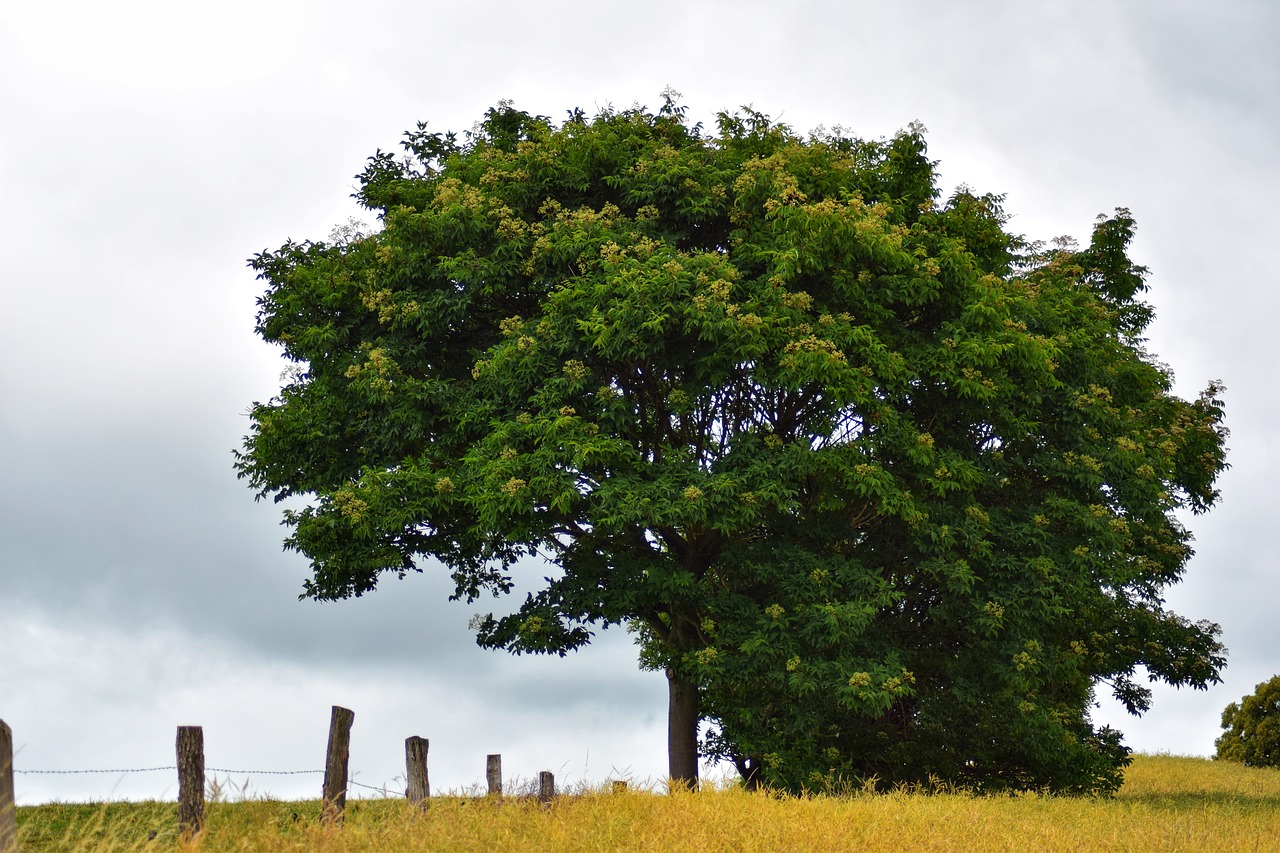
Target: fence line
228 771
69 772
173 767
192 776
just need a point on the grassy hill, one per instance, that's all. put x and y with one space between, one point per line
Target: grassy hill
1167 803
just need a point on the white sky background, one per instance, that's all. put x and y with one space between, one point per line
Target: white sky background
148 148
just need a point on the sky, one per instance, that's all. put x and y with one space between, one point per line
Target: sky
147 149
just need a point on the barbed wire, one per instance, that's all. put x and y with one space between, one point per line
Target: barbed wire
259 772
172 767
384 789
68 772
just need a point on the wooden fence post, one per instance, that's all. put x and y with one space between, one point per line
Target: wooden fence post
546 787
415 759
8 805
619 786
335 765
493 773
190 780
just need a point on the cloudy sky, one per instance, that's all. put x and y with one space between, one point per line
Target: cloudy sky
148 148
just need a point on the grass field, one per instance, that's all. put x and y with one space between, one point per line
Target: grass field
1167 803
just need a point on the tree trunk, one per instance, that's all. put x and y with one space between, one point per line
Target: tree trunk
682 730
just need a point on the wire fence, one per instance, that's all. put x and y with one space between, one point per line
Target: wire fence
194 777
381 788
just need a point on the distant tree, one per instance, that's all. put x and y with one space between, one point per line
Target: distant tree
1252 728
884 490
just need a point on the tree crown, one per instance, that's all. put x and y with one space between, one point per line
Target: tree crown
895 486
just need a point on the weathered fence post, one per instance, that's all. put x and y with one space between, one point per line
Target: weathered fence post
493 773
8 805
415 759
335 765
190 780
546 787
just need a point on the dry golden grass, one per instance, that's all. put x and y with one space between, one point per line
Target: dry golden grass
1167 803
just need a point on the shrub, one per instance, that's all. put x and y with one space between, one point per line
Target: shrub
1252 734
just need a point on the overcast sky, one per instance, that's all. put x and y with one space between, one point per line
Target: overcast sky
148 148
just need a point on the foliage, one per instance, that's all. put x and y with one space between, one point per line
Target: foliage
1012 533
1252 728
890 487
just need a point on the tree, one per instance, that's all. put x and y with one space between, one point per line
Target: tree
874 480
1252 728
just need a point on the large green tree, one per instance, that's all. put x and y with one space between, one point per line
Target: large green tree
884 490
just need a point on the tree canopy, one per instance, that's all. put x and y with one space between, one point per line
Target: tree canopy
885 489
